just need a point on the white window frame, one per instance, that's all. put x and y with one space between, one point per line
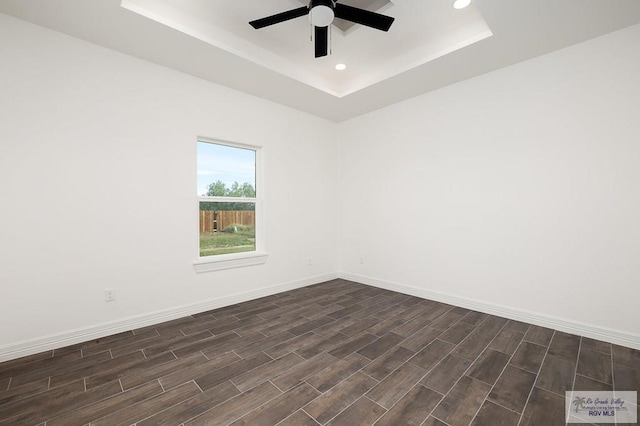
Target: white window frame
235 260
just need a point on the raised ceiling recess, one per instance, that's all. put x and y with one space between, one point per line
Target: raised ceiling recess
422 31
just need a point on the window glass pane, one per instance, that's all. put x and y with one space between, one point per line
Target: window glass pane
227 228
226 171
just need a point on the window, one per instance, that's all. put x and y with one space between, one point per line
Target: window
229 206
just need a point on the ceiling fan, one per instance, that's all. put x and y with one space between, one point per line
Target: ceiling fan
321 14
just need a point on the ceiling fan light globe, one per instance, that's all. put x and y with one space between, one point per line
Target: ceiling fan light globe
321 16
461 4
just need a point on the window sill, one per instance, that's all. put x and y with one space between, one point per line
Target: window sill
223 261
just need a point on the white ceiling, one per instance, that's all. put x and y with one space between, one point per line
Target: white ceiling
430 44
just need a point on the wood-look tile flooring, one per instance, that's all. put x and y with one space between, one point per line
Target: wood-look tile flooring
337 353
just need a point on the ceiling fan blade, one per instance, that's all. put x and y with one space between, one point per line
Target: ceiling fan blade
279 17
321 40
363 17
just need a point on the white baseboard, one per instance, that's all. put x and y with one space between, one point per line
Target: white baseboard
617 337
71 337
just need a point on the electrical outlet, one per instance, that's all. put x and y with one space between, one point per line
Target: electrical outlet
362 260
309 261
109 294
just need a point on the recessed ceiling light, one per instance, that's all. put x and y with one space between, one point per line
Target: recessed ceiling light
461 4
341 67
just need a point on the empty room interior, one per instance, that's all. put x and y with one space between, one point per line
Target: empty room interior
282 212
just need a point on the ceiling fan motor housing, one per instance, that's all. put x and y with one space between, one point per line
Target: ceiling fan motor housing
321 12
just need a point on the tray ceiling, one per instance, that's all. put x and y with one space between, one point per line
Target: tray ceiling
430 44
423 31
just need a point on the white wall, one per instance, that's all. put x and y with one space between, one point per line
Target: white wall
98 188
518 188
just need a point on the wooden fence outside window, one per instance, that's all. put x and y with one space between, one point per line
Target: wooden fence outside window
214 221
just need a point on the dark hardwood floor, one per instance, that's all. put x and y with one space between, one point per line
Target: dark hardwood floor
337 353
